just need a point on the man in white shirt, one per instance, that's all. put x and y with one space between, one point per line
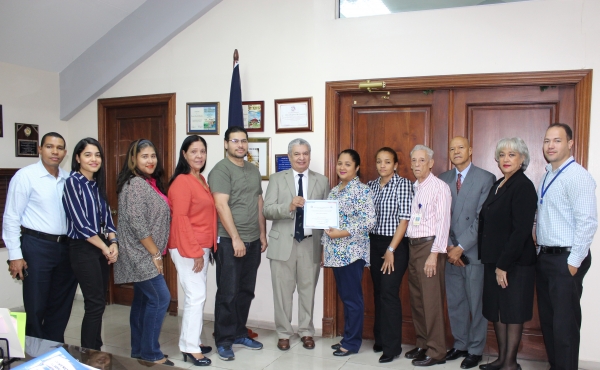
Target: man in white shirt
34 230
295 252
567 220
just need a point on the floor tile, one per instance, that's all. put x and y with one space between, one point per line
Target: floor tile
293 361
246 359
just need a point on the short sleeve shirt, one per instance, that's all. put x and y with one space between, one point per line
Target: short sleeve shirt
243 185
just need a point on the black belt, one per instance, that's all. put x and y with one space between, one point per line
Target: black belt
554 250
44 236
413 241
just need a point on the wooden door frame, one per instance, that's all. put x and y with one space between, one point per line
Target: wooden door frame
169 165
581 79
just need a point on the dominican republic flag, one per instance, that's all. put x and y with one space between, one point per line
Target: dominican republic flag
236 116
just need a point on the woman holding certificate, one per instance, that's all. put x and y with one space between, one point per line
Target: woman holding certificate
347 249
392 196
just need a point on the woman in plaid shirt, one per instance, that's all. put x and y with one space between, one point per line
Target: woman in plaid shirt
392 196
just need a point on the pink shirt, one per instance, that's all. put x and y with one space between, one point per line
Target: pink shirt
433 201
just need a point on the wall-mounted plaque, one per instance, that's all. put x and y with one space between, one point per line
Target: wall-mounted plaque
282 162
26 140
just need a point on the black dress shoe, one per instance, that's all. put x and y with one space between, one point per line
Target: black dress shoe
490 367
377 348
428 361
340 353
204 361
385 358
205 349
336 346
416 354
454 353
471 361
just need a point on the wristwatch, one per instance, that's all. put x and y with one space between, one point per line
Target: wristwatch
391 249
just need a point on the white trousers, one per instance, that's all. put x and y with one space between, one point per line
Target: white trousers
194 288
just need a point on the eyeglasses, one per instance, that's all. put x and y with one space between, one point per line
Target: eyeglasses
236 141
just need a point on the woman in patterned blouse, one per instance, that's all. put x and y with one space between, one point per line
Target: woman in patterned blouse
347 249
144 218
392 196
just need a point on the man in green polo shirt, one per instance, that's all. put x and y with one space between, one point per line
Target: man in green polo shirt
236 188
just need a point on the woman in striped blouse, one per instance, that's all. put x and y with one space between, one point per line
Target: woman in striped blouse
392 196
93 244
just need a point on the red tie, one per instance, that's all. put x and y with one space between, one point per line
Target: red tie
458 183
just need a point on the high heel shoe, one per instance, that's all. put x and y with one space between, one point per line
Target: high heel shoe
205 349
205 361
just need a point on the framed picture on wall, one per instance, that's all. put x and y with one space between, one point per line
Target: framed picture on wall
1 123
203 118
254 115
258 154
293 115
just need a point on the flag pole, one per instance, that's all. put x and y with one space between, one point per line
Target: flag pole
236 57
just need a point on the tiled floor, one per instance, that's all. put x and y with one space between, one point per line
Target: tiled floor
116 336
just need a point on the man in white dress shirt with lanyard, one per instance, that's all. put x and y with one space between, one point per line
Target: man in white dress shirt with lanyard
427 233
34 231
566 223
295 252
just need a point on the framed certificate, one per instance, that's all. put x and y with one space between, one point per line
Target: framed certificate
321 214
293 115
203 118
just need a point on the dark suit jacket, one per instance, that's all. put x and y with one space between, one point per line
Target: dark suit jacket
506 223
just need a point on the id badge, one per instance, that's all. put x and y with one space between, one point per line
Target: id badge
417 220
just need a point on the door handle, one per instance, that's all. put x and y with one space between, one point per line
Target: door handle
114 212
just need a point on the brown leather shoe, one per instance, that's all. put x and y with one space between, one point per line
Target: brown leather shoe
428 361
283 344
308 342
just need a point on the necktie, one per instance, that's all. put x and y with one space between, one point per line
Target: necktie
299 229
458 183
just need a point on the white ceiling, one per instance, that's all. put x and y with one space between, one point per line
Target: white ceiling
50 34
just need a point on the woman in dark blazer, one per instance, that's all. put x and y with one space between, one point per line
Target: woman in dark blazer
507 250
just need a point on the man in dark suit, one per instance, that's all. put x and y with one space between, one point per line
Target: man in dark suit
469 186
295 252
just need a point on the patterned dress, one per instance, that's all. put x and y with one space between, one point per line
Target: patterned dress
357 216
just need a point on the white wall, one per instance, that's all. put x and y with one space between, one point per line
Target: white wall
291 48
27 95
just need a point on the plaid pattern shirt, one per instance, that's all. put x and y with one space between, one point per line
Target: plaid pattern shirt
392 203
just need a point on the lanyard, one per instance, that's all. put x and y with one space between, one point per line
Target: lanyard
544 183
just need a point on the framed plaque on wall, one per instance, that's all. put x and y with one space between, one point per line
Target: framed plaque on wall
26 140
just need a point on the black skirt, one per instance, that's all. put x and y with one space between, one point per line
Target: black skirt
514 304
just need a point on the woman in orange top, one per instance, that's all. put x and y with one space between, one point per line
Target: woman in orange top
193 235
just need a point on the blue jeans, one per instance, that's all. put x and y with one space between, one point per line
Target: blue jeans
150 302
348 280
236 279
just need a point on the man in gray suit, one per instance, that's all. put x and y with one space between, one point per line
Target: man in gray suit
295 252
469 186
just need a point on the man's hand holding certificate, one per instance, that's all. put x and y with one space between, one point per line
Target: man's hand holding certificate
321 214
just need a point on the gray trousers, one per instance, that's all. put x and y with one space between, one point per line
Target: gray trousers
298 272
464 291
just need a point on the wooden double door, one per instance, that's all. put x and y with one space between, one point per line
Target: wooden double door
432 116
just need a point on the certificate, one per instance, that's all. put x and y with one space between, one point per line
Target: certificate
293 115
321 214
